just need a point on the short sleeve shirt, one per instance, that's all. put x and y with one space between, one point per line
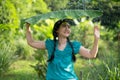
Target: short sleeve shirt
61 68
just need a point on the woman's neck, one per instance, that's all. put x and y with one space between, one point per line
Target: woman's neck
62 40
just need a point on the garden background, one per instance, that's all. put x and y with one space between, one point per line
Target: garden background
18 61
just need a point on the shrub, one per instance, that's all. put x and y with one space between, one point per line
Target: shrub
24 51
108 68
7 57
41 66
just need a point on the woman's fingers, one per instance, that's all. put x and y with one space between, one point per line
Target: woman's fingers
27 24
96 32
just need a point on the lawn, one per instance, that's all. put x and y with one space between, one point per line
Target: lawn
84 68
21 70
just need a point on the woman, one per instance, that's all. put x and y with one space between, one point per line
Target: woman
61 51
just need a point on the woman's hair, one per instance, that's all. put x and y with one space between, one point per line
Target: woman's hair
55 35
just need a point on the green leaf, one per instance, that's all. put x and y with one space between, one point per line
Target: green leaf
63 14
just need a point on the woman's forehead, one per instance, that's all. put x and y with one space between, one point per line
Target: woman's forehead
65 23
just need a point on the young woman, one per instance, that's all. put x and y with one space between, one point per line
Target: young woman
61 51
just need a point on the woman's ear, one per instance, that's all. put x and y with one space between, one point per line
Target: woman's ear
57 32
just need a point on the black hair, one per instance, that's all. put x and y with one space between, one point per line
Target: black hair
55 35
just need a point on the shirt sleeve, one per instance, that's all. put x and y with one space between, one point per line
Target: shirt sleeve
49 46
76 46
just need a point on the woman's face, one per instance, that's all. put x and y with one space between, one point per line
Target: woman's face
64 30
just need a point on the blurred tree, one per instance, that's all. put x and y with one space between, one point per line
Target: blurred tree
111 19
111 12
8 23
111 16
78 4
28 8
8 20
56 4
39 6
8 14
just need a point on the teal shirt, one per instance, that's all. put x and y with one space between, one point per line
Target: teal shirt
61 68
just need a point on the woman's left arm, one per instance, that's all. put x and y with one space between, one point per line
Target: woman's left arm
93 52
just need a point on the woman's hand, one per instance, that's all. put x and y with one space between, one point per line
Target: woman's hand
96 32
93 52
28 26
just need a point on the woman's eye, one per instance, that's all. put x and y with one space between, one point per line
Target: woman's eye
68 26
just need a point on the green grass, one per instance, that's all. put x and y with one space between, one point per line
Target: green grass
89 68
104 67
93 69
21 70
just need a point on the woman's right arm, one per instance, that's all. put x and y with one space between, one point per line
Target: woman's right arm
31 41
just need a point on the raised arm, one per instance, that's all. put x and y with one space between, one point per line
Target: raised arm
31 41
93 52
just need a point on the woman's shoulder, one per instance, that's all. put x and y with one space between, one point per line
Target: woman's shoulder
76 46
75 42
49 41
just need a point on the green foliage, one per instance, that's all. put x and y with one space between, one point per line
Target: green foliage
41 66
83 32
56 4
8 14
112 71
7 57
23 50
63 14
104 67
11 11
110 8
30 7
8 21
108 68
43 30
22 10
110 17
21 70
40 6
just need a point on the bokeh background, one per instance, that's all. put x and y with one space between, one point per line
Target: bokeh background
18 61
